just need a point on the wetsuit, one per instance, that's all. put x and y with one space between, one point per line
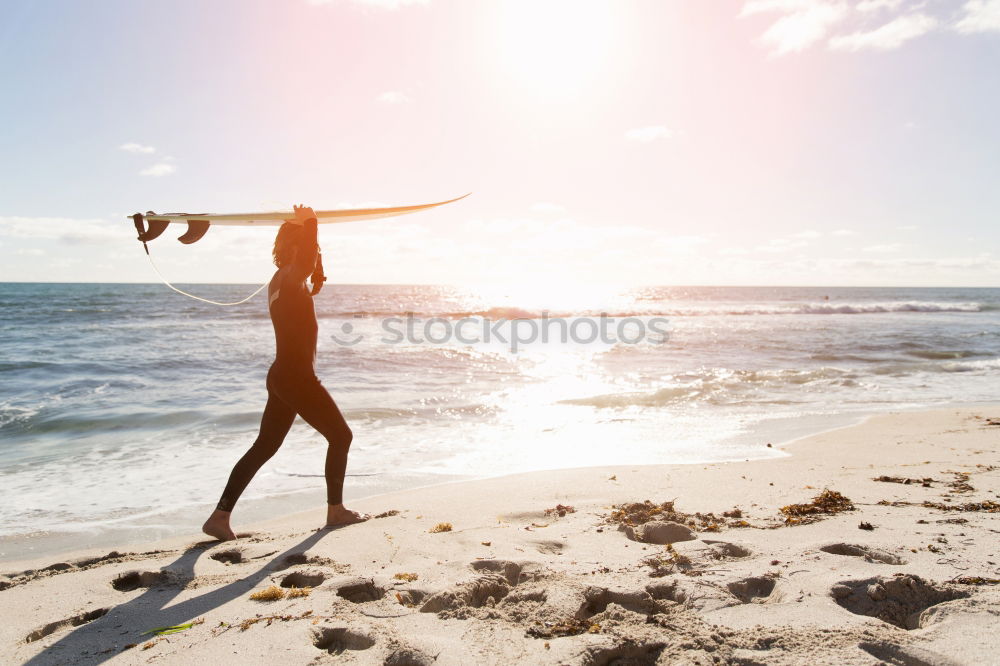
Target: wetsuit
292 385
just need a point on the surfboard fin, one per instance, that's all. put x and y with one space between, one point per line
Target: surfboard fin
196 229
155 227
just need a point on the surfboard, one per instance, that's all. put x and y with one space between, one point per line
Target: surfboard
198 223
278 217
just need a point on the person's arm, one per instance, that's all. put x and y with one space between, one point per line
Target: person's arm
308 246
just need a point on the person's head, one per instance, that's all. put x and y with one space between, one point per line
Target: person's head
285 244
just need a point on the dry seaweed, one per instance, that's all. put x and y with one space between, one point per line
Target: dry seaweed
638 513
925 482
560 510
865 526
272 593
976 580
987 506
408 577
250 621
299 592
569 627
441 527
827 502
961 483
668 562
387 514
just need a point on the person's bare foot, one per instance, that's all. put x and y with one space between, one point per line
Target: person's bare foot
337 515
217 526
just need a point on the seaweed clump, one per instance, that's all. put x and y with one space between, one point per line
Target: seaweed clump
638 513
826 503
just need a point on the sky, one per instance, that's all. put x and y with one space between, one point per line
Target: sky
605 142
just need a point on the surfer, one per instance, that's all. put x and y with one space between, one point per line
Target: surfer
292 385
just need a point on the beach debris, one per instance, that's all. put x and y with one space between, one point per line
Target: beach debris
165 631
560 510
961 483
568 627
988 506
440 527
408 577
992 422
637 513
865 526
735 512
925 482
299 592
613 477
272 593
975 580
486 543
387 514
250 621
826 503
667 562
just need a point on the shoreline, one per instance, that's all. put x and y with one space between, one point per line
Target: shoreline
824 591
782 431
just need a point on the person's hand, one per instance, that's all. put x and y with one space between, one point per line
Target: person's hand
302 214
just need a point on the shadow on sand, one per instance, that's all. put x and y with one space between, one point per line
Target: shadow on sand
105 637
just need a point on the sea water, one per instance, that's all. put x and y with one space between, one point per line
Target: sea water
124 406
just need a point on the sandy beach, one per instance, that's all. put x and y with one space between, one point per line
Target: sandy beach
695 564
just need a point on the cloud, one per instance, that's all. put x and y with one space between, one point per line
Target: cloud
781 245
136 148
380 4
808 233
907 227
804 23
647 134
883 249
393 97
844 232
890 36
876 5
158 170
980 16
65 229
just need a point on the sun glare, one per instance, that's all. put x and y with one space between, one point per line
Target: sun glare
556 46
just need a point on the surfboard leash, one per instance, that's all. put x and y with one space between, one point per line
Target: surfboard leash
144 236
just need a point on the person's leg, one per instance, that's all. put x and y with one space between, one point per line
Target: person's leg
313 403
274 426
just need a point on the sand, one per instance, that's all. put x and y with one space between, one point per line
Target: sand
539 568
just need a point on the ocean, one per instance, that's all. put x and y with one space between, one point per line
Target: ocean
124 406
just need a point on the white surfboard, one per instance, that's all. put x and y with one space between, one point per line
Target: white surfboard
198 223
278 217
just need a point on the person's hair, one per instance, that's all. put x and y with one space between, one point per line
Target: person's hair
285 243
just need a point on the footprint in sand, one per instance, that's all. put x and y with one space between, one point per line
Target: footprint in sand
753 590
725 550
74 621
303 579
899 600
549 547
133 580
228 556
870 554
359 591
340 639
